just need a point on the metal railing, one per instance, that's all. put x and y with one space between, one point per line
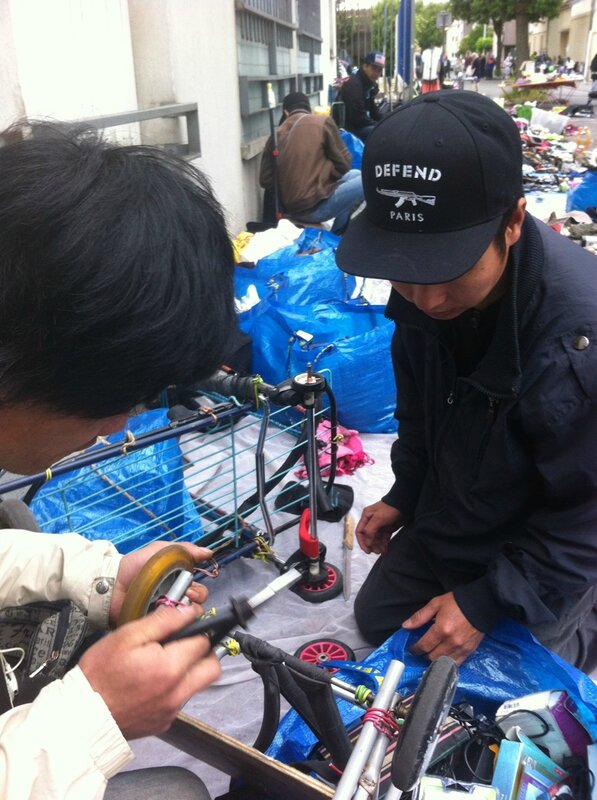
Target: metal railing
189 149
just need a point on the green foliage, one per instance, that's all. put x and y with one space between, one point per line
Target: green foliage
483 44
426 32
469 42
484 12
383 16
513 96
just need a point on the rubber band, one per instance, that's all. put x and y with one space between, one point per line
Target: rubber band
210 413
168 602
383 721
213 573
232 646
361 693
257 381
48 474
130 440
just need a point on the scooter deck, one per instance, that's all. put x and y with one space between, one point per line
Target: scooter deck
276 780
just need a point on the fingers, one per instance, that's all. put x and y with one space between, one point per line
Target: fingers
422 616
434 644
158 625
201 674
199 553
197 593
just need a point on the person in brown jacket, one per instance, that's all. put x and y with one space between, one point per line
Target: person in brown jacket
313 169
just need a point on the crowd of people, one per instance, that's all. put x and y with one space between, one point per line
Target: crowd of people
119 282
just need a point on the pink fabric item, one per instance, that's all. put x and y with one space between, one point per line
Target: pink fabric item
350 454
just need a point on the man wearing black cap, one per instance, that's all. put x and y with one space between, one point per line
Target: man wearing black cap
358 96
496 371
312 169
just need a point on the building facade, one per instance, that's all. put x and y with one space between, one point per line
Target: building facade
573 34
189 75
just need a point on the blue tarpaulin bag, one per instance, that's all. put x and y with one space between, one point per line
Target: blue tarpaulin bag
305 315
354 146
341 339
584 195
509 663
302 273
131 500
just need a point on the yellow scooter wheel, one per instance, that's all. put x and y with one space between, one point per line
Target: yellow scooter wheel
154 580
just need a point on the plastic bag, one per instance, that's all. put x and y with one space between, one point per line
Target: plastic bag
349 341
509 663
350 455
354 146
305 272
131 500
584 195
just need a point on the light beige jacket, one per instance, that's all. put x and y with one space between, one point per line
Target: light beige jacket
65 745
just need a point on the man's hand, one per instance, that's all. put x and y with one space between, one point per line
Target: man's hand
377 524
451 633
143 683
133 562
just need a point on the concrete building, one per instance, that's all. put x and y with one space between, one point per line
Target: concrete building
190 75
572 34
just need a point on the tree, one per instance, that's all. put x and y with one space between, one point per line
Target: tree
497 12
427 34
469 42
383 20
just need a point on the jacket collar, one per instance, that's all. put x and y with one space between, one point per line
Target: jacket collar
499 373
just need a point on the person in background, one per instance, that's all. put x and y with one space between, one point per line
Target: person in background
492 512
489 66
116 282
358 95
313 169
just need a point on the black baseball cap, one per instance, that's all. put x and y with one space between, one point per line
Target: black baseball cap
296 100
438 174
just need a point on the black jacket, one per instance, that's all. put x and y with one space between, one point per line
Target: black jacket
498 470
358 95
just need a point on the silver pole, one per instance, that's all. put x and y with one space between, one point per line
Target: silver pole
362 749
369 781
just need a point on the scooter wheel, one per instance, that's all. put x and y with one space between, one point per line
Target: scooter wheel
330 587
320 651
153 580
428 711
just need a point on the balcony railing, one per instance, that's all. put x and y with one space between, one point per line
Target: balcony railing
189 149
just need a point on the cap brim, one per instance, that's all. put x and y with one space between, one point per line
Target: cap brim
425 258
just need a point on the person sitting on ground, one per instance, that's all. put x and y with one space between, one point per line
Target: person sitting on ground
116 277
495 467
312 171
358 95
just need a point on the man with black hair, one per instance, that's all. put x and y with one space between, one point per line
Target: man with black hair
494 354
115 282
312 169
358 95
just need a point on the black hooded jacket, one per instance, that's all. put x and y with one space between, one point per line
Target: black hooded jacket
358 96
498 469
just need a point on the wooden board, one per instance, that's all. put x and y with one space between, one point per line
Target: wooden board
276 780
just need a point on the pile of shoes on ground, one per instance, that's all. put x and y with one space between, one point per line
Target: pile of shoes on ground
556 153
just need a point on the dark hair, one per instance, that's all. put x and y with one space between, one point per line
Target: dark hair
115 272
